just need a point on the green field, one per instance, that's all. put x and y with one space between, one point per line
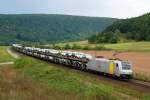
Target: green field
31 79
4 55
70 84
129 46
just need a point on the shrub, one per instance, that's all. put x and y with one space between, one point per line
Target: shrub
67 46
86 48
75 47
148 38
56 47
100 47
109 37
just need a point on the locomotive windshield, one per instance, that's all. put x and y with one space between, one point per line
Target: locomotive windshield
126 66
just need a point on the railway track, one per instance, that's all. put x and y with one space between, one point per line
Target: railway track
134 84
141 83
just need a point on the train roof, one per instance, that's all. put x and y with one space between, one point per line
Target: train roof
70 53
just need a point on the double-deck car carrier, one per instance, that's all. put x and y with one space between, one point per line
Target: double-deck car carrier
82 61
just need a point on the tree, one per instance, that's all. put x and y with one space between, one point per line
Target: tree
67 46
148 38
133 28
75 47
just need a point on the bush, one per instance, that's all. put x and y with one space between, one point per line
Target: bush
113 40
109 37
67 46
92 39
148 38
75 47
86 48
100 47
56 47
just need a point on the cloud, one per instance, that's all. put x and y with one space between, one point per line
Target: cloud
106 8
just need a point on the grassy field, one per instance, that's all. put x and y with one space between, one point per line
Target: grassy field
15 86
31 79
129 46
4 55
71 85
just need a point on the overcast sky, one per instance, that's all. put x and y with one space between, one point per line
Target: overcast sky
100 8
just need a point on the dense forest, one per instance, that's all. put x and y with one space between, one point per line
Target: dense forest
49 27
133 29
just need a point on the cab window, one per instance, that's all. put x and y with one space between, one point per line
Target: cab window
126 66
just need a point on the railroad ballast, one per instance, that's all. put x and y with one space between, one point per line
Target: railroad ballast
82 61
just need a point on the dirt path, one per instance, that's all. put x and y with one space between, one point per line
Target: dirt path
16 56
7 63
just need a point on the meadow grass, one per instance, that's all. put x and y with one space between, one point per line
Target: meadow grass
128 46
16 86
131 46
142 76
72 84
4 55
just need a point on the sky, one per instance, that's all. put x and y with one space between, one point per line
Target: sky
97 8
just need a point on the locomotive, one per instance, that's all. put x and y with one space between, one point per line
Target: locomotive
114 67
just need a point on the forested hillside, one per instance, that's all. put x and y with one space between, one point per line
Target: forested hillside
49 28
134 29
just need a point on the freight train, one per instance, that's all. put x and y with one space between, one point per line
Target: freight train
114 67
